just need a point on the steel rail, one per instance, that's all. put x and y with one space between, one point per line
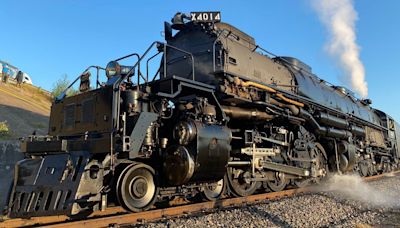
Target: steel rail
118 216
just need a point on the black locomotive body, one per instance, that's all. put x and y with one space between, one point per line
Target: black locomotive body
220 116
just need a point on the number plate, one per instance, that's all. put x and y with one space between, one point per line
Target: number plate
205 16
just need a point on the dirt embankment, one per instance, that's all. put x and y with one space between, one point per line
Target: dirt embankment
25 109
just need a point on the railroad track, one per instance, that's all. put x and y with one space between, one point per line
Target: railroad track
117 216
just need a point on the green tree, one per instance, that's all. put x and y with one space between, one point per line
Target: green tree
62 84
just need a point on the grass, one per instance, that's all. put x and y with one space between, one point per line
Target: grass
37 92
34 91
4 131
38 125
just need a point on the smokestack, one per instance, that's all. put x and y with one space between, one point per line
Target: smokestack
339 17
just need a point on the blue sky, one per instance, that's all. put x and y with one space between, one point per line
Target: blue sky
48 38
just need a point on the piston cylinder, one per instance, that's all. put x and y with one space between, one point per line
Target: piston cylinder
201 153
332 121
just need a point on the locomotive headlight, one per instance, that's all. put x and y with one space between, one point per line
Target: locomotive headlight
113 68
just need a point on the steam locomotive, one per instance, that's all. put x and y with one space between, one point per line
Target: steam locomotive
220 116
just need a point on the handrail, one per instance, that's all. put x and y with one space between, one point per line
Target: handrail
147 65
64 93
138 57
127 56
117 83
180 50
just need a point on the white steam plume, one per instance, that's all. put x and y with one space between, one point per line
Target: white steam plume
339 17
353 187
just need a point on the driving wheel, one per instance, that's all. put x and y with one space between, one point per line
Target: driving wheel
279 182
239 182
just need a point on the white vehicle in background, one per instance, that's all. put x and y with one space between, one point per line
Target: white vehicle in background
12 71
27 79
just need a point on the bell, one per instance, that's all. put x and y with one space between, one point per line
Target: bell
177 21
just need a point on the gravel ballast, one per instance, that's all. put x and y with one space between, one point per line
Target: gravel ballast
345 201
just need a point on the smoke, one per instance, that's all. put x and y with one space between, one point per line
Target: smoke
353 187
339 17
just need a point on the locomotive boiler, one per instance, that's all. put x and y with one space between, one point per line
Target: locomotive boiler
220 116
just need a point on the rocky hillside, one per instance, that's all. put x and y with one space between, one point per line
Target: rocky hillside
23 110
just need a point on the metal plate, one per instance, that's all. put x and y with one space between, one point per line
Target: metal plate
47 186
139 132
205 16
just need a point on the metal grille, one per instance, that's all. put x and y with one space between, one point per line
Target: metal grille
43 186
69 115
88 111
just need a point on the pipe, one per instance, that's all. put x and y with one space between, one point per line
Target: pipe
246 114
295 110
289 100
269 89
239 163
329 132
358 130
336 133
333 121
263 87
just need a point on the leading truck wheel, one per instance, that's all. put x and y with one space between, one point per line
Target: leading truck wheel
215 191
136 188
